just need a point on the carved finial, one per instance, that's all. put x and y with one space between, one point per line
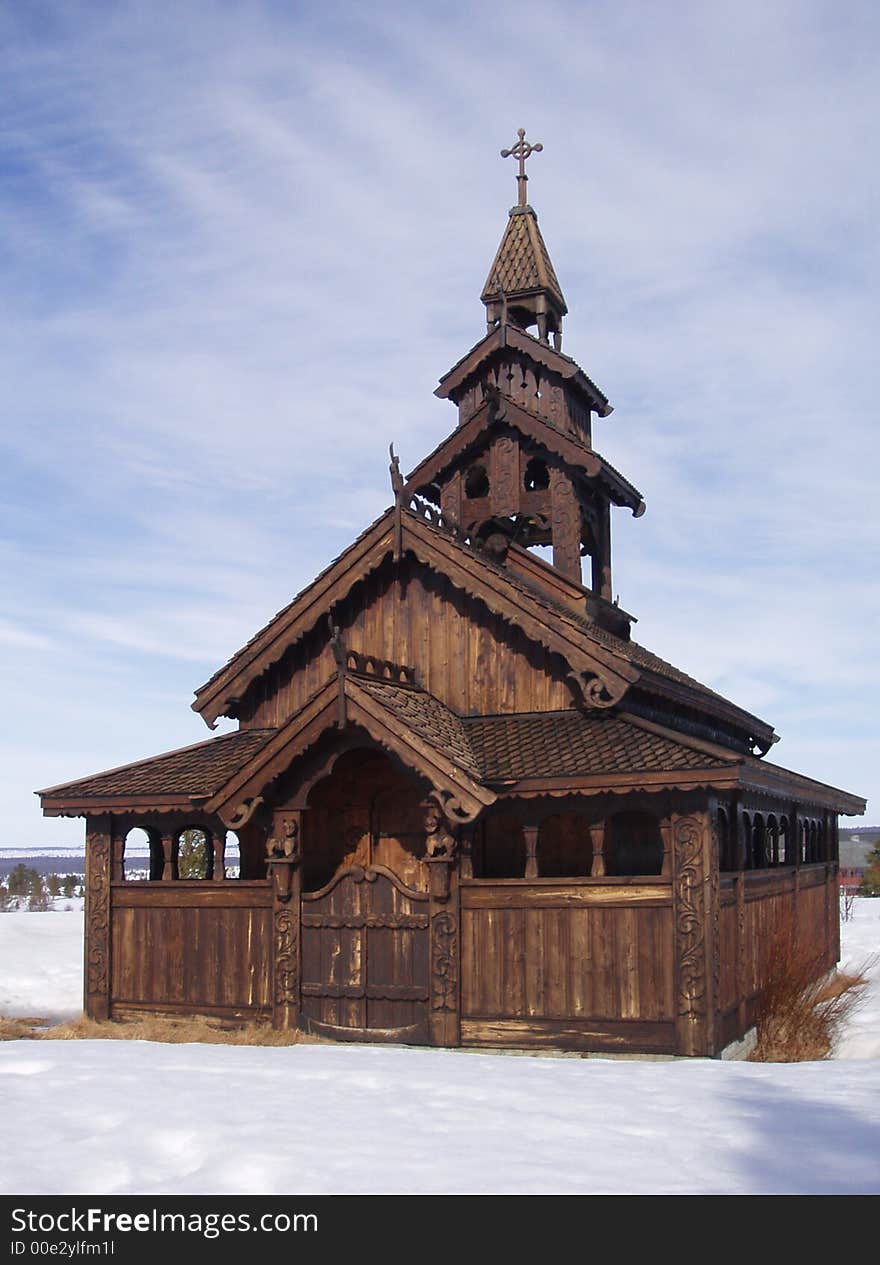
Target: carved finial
396 476
522 150
336 644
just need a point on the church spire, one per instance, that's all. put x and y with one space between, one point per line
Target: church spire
522 288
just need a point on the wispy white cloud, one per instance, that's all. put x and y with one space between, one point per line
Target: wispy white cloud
241 243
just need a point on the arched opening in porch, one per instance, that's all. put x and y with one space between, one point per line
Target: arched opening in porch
499 848
366 811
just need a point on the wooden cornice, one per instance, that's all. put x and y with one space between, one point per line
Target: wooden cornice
505 411
701 745
510 336
758 775
709 703
744 773
621 783
86 805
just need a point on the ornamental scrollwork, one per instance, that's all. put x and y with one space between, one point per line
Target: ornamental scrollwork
715 899
690 910
98 895
453 809
286 958
596 692
444 961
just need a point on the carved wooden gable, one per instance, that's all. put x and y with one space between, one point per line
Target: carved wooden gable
463 653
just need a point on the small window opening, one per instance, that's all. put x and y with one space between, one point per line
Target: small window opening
537 476
194 854
476 483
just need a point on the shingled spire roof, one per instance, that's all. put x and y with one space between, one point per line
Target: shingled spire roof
522 287
522 264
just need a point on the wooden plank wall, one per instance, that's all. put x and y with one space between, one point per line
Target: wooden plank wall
192 948
582 964
451 641
753 906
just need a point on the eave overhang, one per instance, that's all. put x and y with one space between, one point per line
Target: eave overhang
567 448
508 336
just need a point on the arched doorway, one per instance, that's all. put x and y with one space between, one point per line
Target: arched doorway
365 904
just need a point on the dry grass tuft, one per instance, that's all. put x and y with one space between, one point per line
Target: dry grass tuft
19 1029
151 1028
802 1008
174 1031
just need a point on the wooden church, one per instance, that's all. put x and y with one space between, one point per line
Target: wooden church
470 809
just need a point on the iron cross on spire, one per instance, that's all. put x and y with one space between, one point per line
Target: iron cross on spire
522 150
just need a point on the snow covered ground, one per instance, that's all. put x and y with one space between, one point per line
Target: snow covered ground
137 1118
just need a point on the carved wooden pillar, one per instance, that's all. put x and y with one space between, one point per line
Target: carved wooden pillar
96 990
601 574
741 962
441 858
530 834
218 844
597 838
284 854
565 520
741 843
466 852
169 866
445 921
666 836
695 932
117 862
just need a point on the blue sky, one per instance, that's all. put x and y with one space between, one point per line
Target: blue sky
240 242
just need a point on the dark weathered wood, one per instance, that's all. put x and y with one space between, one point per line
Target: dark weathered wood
192 895
587 1035
693 936
366 950
206 957
556 960
366 795
547 894
98 957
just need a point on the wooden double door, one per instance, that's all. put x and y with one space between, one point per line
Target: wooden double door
366 958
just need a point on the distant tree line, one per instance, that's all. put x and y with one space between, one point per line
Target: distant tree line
870 884
26 888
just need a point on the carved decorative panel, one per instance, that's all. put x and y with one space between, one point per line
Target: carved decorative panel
286 957
689 918
565 521
504 476
444 962
97 923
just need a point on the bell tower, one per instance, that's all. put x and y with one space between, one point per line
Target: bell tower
521 288
520 470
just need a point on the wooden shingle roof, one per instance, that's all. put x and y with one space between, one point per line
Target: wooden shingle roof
522 262
561 744
180 776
